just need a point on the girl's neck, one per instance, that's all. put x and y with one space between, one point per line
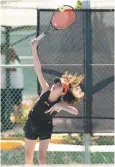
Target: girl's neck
52 98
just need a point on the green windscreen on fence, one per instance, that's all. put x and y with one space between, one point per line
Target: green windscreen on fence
65 50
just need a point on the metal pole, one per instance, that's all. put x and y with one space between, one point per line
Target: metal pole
87 61
86 144
86 4
7 54
8 106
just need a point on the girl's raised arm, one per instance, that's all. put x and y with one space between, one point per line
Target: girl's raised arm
37 66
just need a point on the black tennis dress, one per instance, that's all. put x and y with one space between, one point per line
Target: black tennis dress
40 124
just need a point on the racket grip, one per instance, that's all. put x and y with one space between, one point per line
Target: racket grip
40 36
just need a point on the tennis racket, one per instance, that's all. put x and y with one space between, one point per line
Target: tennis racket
61 19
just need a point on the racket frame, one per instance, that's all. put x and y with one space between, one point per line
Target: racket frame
50 24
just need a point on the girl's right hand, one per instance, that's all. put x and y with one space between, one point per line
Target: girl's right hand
34 43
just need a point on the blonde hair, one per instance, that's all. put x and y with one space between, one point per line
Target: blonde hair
73 82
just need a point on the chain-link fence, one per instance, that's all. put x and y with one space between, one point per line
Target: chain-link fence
101 152
59 52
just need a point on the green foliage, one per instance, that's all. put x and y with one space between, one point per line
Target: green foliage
95 140
26 107
77 140
22 118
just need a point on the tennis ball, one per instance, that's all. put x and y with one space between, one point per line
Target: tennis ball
61 9
79 5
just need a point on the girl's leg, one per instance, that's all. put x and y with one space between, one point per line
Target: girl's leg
43 150
29 150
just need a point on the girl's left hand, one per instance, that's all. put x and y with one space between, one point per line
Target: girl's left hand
56 107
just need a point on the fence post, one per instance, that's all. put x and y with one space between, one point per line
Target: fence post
86 150
7 54
86 4
8 106
88 82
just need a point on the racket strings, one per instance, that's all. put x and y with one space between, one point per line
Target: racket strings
62 20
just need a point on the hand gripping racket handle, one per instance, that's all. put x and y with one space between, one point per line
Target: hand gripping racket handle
40 36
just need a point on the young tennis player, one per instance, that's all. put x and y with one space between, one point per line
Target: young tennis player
64 91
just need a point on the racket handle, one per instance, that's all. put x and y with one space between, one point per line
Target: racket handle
40 36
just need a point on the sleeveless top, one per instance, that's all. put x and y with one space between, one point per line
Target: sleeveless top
38 114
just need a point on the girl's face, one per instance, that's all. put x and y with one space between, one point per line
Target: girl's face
57 89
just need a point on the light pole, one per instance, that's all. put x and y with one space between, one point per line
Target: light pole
86 4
